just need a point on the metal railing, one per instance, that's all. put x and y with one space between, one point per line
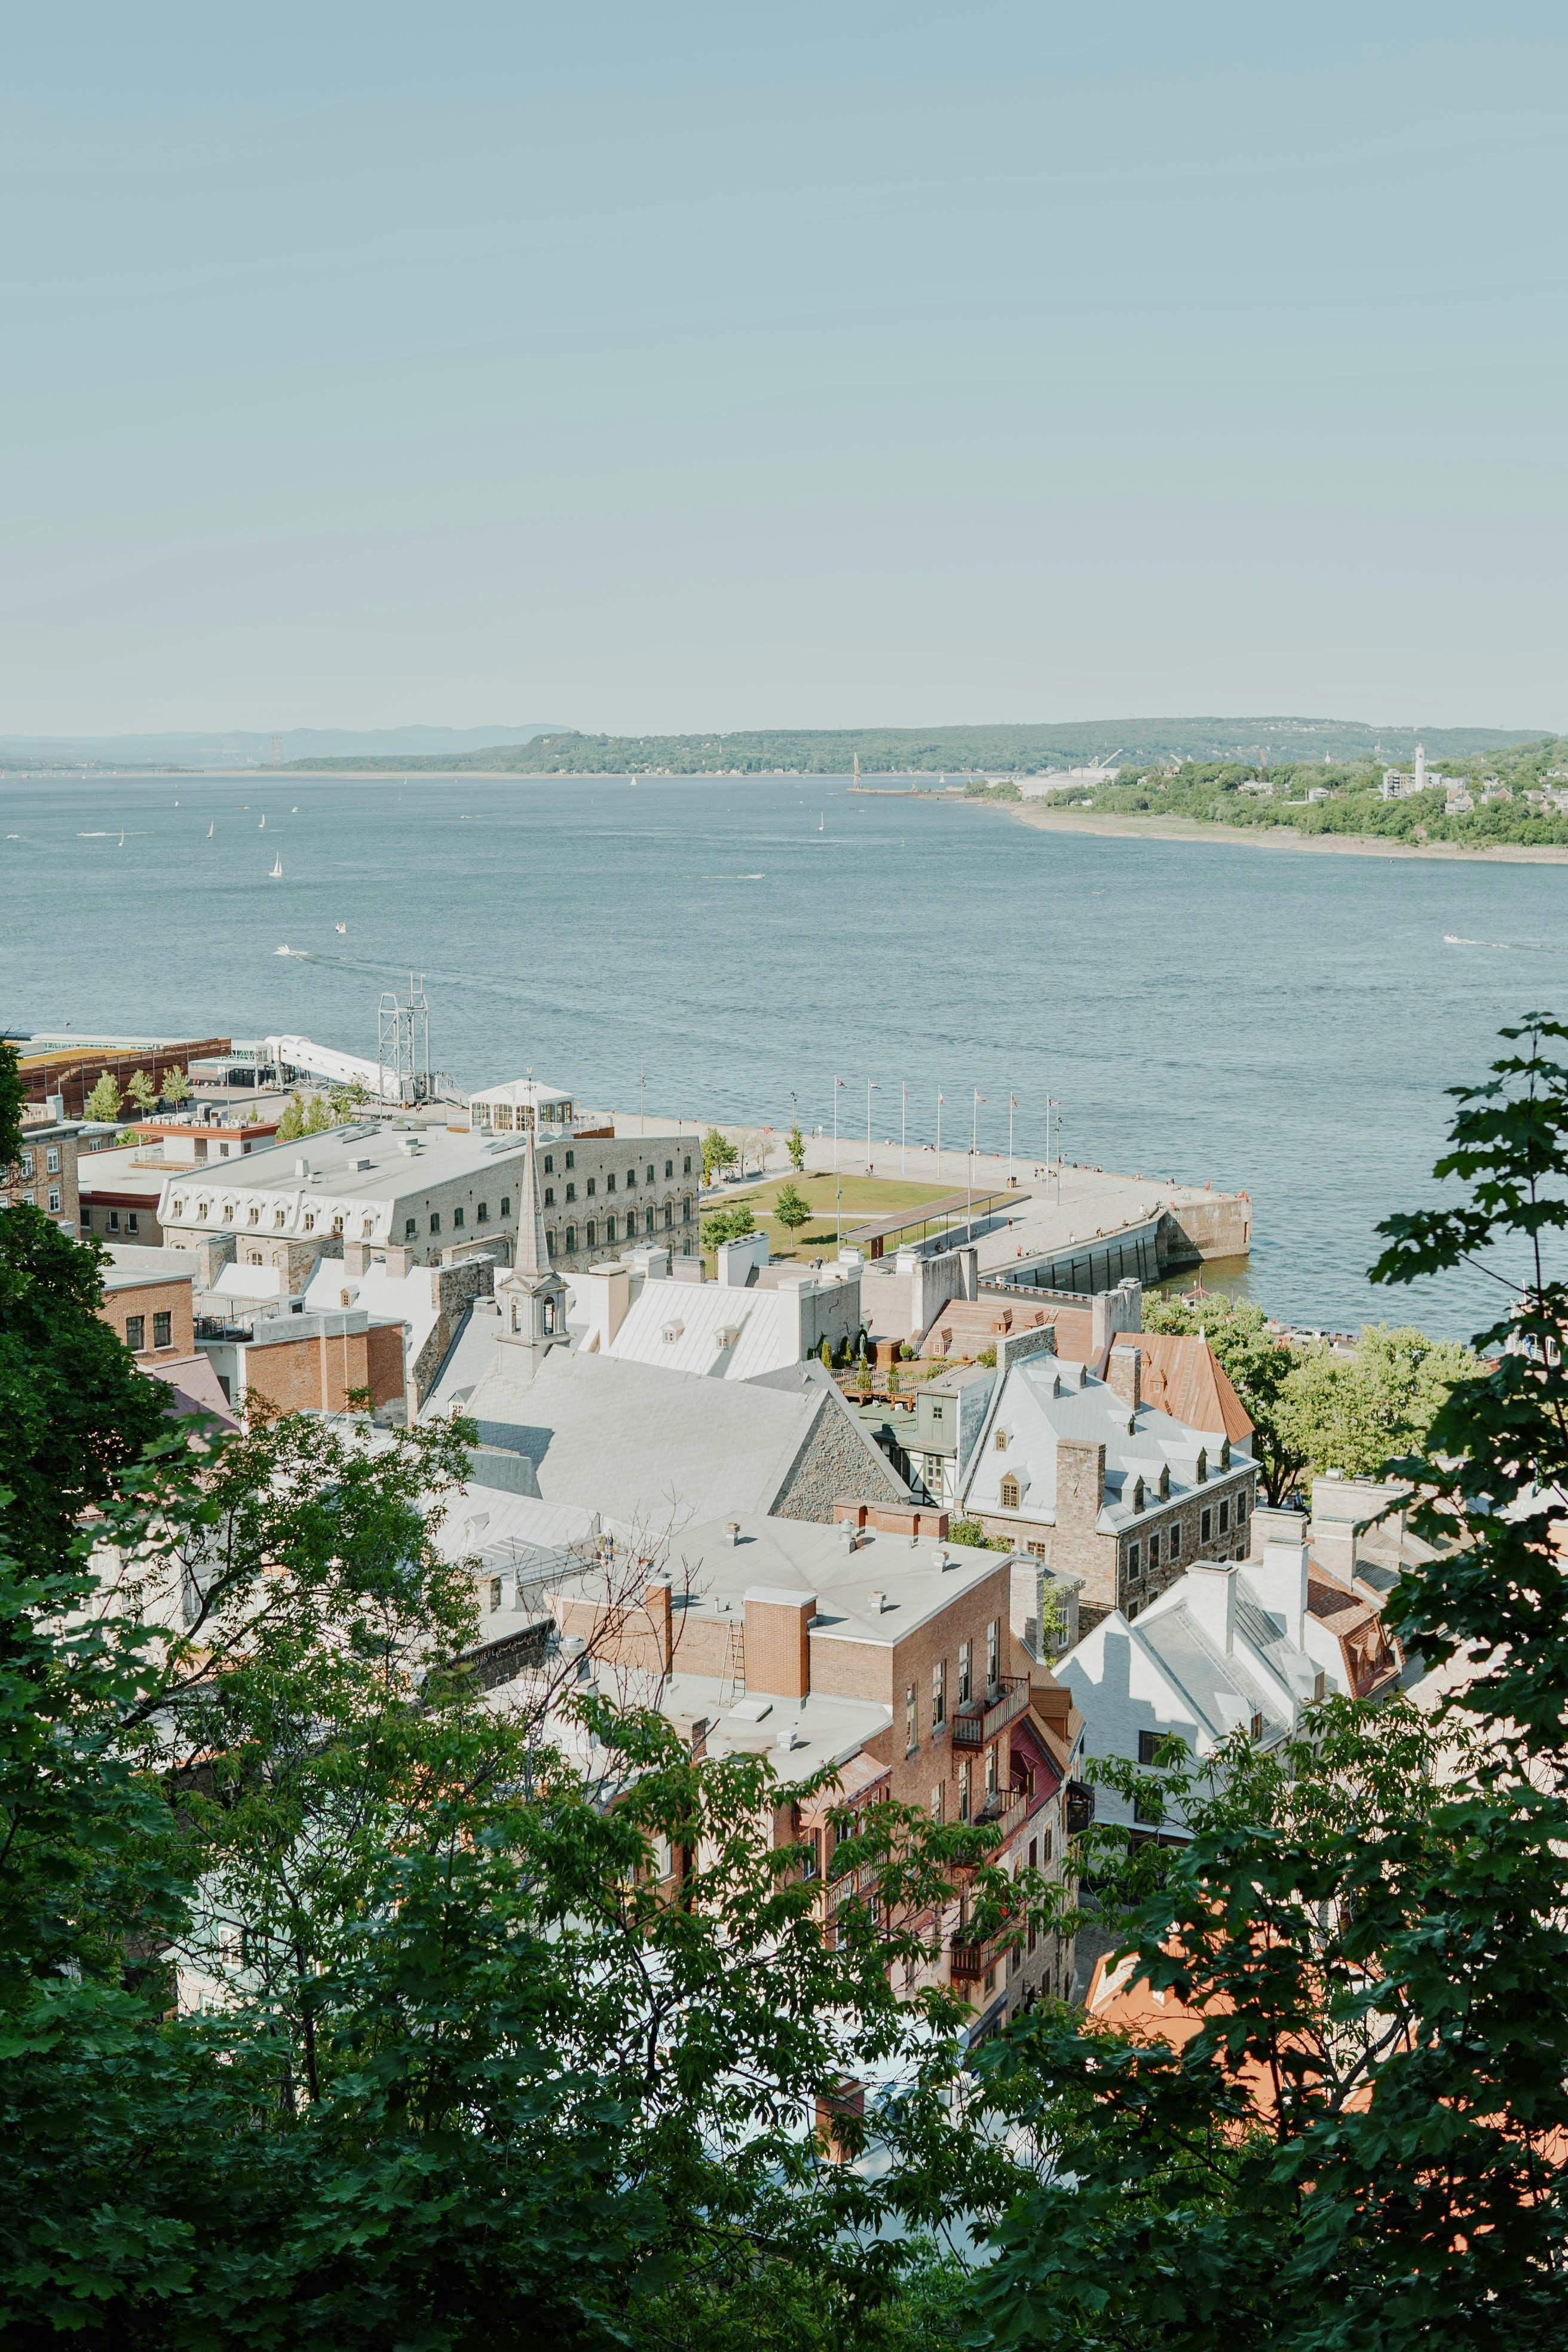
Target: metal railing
977 1722
968 1961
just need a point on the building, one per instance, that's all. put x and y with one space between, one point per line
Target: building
310 1363
194 1141
56 1062
44 1174
1229 1646
120 1191
876 1647
147 1300
520 1104
425 1195
1399 785
1088 1476
756 1318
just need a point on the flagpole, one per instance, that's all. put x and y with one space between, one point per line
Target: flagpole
1012 1106
903 1126
838 1180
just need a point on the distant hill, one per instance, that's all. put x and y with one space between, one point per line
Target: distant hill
239 747
994 750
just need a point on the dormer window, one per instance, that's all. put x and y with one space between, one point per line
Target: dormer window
1009 1494
1225 1454
279 1217
1138 1493
1001 1441
309 1221
253 1217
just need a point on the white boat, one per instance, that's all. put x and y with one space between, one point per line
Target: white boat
343 931
293 811
822 821
122 837
284 949
277 873
209 832
262 826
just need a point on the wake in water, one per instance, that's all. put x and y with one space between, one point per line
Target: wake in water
1524 947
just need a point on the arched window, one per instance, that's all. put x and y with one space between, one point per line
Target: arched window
647 1221
1009 1494
550 1243
609 1229
669 1213
589 1239
571 1241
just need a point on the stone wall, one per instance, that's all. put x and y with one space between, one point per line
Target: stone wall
452 1287
835 1459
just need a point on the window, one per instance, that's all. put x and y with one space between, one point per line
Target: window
309 1221
648 1219
1134 1560
992 1652
114 1221
686 1210
686 1165
1009 1494
571 1241
571 1159
550 1242
591 1237
1174 1544
991 1768
367 1228
1205 1523
1225 1514
939 1694
1035 1549
436 1222
484 1212
1001 1441
495 1593
571 1191
1240 1509
610 1228
549 1163
410 1227
87 1216
938 1802
1153 1553
965 1675
28 1166
1256 1724
1045 1847
550 1196
963 1790
506 1204
650 1174
911 1722
228 1206
135 1333
52 1160
609 1183
669 1213
1147 1807
253 1216
162 1331
1034 1854
669 1167
809 1864
457 1216
1150 1743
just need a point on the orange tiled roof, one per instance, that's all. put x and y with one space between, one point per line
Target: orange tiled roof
1184 1377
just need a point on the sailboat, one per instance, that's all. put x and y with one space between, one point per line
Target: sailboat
822 821
277 873
262 826
122 837
209 832
855 785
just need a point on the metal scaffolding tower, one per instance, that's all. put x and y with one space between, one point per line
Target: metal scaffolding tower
403 1044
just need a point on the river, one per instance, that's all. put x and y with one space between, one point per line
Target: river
1276 1021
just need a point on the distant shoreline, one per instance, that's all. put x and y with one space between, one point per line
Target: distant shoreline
1274 836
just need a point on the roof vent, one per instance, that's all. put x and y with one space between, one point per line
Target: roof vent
302 1168
361 1164
879 1602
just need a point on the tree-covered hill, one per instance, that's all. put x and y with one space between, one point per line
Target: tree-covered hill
994 750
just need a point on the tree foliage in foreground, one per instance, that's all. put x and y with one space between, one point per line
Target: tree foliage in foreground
340 2006
1364 2140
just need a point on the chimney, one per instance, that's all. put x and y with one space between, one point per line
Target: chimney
1210 1601
1124 1375
778 1645
657 1601
733 1531
1081 1484
1279 1580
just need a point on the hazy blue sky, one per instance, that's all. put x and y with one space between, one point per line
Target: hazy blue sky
651 367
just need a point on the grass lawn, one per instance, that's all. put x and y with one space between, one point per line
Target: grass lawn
865 1198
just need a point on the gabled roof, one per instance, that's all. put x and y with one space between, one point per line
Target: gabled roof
710 1329
1041 1402
1181 1376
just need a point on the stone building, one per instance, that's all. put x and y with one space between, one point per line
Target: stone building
1088 1477
44 1173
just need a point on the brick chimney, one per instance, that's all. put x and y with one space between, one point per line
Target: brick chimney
657 1601
1081 1484
1124 1375
778 1645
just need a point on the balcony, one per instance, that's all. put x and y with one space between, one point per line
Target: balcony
976 1725
967 1963
1005 1810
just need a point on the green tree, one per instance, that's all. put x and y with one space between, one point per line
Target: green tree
348 1101
318 1115
795 1143
1354 1414
718 1154
103 1102
791 1207
722 1225
140 1090
1256 1363
291 1125
176 1087
1363 2141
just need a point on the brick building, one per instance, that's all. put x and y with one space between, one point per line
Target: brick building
878 1647
118 1192
147 1299
44 1175
310 1364
59 1064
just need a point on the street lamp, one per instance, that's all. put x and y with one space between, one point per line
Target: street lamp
903 1127
837 1185
871 1088
974 1137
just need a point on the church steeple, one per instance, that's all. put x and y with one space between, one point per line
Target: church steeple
532 1296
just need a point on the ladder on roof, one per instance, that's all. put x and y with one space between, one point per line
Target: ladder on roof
733 1681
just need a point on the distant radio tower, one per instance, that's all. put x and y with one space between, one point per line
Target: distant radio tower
278 751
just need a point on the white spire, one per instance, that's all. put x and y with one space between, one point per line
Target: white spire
533 1255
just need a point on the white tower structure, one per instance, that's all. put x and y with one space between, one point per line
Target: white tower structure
1421 767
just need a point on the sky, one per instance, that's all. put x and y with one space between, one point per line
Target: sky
646 369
